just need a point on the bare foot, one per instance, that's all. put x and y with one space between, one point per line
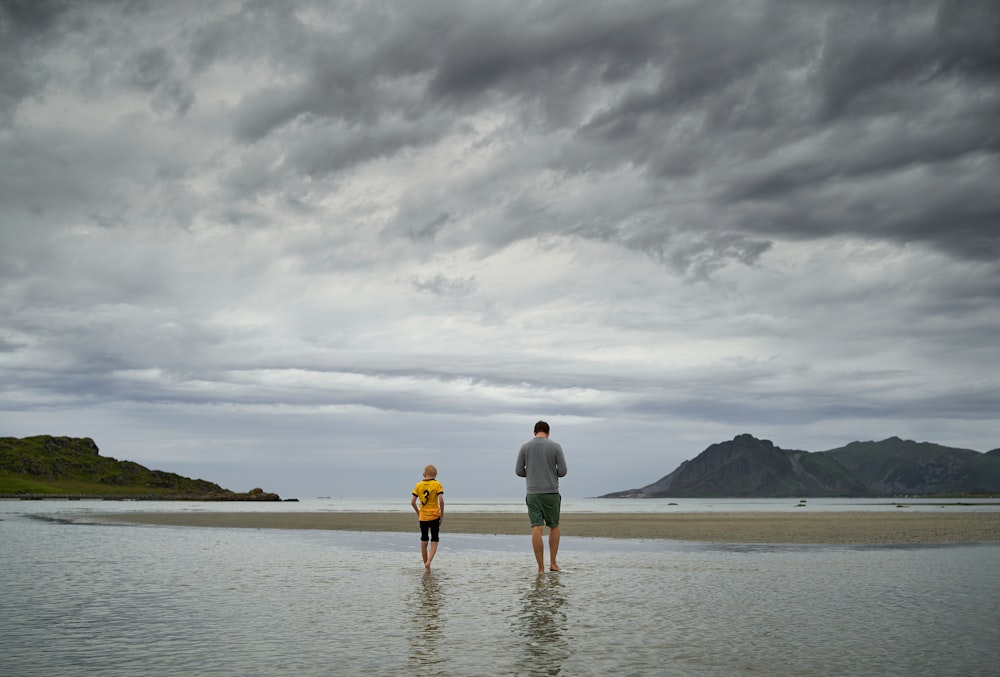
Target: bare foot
554 568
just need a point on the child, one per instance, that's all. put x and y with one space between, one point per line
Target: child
430 493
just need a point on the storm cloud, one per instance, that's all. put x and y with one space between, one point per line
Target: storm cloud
314 246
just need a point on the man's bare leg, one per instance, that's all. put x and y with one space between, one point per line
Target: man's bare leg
430 555
423 551
538 547
553 548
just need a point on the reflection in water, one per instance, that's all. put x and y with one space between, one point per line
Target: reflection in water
194 601
542 625
424 606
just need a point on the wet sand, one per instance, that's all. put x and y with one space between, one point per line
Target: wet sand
743 527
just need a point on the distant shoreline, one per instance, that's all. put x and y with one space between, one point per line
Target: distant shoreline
220 498
860 528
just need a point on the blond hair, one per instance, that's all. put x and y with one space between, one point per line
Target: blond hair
430 471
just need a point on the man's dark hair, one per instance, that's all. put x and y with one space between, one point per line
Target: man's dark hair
542 427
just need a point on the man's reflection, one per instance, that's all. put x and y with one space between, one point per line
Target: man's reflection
542 625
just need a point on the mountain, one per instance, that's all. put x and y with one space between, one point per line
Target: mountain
47 466
753 468
895 466
749 467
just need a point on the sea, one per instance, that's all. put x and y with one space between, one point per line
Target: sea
82 596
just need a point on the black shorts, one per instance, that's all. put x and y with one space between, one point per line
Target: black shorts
432 526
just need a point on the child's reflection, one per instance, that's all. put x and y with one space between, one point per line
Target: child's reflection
426 611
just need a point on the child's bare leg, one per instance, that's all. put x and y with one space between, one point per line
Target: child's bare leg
423 551
430 555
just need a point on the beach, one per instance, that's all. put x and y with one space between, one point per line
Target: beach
863 528
810 591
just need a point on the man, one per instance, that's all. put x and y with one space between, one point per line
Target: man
541 462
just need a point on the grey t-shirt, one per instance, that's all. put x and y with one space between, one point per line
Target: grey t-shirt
542 463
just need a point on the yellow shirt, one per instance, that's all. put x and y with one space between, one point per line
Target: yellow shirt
427 492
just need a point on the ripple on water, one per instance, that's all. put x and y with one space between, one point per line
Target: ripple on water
173 601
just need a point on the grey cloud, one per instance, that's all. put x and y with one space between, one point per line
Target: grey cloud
422 219
322 151
883 100
26 28
430 229
321 78
517 46
663 218
8 346
441 285
713 59
209 43
851 152
727 87
863 56
31 17
271 31
955 210
17 82
702 257
256 174
154 70
58 179
261 112
969 28
40 178
332 80
173 96
868 56
963 224
527 52
332 93
149 68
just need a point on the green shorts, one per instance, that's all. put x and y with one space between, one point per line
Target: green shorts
543 509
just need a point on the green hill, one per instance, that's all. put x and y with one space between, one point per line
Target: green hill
49 467
894 466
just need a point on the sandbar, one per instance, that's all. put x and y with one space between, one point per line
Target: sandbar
863 528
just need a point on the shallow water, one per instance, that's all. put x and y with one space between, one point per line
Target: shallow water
516 504
84 599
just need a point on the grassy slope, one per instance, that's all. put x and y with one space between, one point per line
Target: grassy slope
46 465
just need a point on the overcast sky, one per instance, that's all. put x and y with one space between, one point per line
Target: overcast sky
313 246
